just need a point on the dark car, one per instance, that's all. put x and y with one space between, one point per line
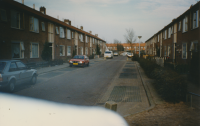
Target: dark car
14 72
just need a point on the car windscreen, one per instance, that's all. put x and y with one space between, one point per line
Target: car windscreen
108 52
78 57
2 65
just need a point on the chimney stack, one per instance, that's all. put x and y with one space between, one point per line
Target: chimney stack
90 32
22 1
33 6
43 10
81 27
67 21
96 35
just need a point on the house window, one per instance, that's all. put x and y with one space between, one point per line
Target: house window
86 39
195 19
16 20
86 50
50 32
62 50
179 26
81 50
34 25
43 26
165 34
184 50
81 37
17 49
72 34
172 30
185 24
93 40
169 51
3 15
68 50
62 34
34 50
169 32
69 34
57 31
165 53
158 38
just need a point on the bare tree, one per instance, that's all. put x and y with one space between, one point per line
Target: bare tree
130 38
116 41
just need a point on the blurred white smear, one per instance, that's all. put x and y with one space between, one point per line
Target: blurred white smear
23 111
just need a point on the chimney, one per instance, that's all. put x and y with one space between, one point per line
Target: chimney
81 27
22 1
96 35
90 32
67 21
33 6
43 10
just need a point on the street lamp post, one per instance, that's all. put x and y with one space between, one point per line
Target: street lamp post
139 44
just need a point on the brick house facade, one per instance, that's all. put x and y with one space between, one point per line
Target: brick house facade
24 31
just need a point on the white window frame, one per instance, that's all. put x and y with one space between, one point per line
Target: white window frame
185 24
62 32
81 37
86 39
21 47
72 34
81 50
31 56
86 50
57 30
158 38
43 26
50 32
2 10
68 34
165 34
33 24
195 20
169 32
185 51
69 54
63 50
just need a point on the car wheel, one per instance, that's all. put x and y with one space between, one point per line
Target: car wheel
11 86
34 79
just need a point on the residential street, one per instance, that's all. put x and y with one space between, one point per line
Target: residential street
76 85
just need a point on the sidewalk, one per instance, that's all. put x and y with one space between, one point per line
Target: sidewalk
64 65
131 89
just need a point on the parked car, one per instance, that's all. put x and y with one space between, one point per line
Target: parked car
129 55
79 60
108 54
116 53
14 72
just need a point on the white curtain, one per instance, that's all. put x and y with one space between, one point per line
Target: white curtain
34 50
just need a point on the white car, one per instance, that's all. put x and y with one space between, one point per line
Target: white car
129 55
108 54
116 54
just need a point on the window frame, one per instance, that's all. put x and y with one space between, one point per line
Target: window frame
33 30
185 24
11 19
195 22
68 34
63 50
86 50
70 51
21 47
5 15
57 30
62 32
31 55
169 32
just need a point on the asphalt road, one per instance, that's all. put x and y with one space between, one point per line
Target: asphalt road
78 86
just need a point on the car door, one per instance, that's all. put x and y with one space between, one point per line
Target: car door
14 73
25 74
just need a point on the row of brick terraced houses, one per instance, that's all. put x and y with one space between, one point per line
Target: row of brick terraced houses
24 30
178 39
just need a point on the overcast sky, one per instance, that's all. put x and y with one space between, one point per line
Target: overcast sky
110 18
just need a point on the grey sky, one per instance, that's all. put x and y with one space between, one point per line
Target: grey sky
110 18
